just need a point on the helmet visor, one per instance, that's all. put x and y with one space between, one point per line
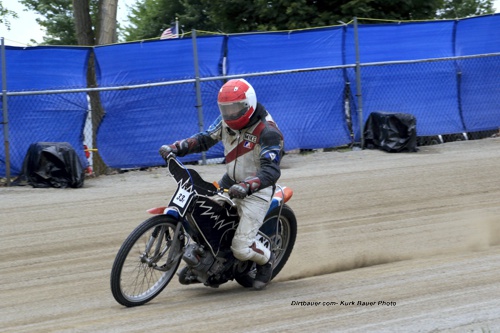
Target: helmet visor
234 110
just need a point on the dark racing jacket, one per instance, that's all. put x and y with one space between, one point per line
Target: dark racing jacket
254 151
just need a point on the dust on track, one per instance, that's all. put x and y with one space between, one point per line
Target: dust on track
420 229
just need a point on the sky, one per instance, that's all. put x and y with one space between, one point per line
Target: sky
25 28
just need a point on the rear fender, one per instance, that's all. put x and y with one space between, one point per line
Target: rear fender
281 195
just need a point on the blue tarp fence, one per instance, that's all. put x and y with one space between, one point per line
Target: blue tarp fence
306 79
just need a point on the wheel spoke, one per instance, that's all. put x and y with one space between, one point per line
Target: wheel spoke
139 277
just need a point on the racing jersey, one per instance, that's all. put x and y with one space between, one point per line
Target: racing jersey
254 151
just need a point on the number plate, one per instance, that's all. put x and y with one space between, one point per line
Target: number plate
181 200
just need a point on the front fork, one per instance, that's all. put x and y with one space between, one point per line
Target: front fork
173 256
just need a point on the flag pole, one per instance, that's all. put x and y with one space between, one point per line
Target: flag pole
177 26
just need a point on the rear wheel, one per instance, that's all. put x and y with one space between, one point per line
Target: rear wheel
147 261
281 234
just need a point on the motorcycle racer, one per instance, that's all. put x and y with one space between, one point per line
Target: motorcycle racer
253 148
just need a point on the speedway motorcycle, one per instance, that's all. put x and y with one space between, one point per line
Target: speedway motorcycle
196 228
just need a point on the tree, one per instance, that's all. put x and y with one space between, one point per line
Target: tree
59 19
84 31
89 31
149 17
106 34
451 9
5 14
106 24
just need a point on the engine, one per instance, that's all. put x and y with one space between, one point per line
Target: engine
203 267
199 260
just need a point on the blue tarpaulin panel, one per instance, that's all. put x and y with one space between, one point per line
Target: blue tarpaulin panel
309 115
253 53
44 67
399 42
480 83
156 61
428 91
307 106
479 35
480 93
44 118
138 121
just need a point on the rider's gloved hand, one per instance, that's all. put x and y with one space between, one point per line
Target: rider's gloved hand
247 187
166 150
238 191
179 148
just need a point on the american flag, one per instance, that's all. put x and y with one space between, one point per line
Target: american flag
169 33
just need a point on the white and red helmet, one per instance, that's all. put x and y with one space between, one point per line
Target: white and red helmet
237 103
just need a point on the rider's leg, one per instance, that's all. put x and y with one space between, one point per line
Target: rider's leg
252 211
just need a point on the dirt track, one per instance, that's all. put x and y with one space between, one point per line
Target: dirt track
419 231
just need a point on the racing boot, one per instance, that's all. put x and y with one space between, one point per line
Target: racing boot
186 276
264 274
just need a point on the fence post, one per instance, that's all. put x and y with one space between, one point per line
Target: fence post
198 91
5 121
358 84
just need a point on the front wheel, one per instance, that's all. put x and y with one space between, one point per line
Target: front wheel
281 232
147 261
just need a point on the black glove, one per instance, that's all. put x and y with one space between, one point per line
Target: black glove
179 148
247 187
